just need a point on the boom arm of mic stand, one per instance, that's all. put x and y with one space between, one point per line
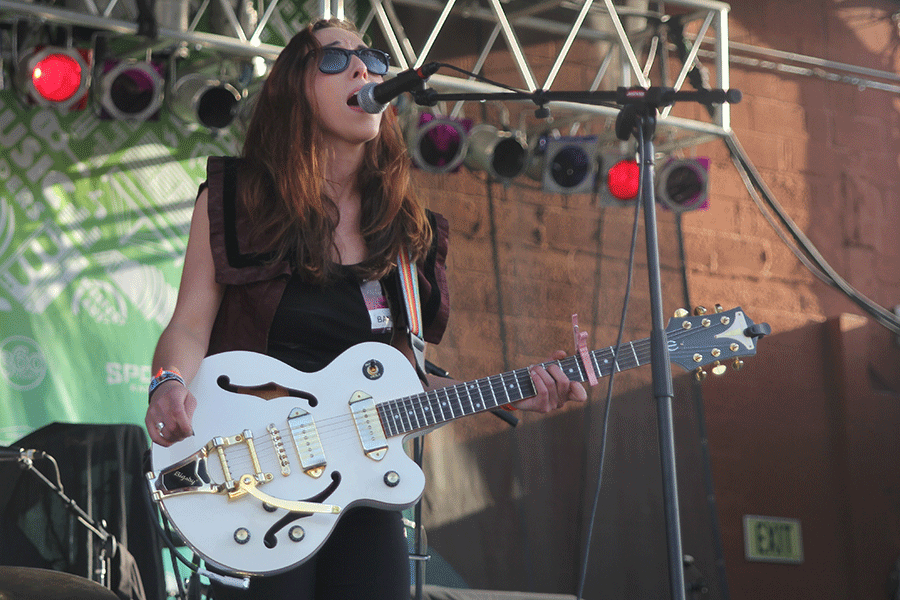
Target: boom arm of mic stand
653 96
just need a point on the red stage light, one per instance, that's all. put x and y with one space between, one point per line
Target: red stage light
619 179
57 77
624 179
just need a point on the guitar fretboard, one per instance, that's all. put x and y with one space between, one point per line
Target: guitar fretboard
421 411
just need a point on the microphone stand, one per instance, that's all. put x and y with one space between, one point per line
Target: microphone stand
637 117
640 119
102 574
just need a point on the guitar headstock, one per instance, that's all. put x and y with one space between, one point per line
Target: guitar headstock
719 338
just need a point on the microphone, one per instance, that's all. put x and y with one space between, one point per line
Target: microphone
374 97
10 454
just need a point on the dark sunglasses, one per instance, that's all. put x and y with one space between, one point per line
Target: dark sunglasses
336 60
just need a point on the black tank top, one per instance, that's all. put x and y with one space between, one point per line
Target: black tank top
314 324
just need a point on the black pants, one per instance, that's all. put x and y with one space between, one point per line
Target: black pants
366 558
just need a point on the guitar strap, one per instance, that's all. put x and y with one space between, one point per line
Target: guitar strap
410 285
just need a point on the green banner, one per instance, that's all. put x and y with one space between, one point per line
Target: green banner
94 218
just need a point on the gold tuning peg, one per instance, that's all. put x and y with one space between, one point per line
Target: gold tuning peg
681 313
738 364
718 368
719 308
700 374
700 310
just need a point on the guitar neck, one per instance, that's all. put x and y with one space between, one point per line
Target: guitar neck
427 409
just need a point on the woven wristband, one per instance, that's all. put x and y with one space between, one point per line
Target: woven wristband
161 377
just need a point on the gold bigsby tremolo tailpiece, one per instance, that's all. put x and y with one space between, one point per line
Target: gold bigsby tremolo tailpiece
191 475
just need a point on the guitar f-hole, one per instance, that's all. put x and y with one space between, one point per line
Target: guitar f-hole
266 391
270 541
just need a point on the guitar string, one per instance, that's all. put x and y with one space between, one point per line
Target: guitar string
470 398
494 387
339 429
416 409
427 409
640 350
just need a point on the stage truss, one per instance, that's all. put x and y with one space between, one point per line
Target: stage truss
628 40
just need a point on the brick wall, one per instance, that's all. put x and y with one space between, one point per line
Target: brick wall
509 507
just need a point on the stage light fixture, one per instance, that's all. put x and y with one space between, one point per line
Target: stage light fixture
438 144
618 179
197 97
570 164
503 154
131 90
54 76
682 184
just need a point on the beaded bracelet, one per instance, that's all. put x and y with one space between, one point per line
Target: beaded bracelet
161 377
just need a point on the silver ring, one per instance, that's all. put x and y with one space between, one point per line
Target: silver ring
160 426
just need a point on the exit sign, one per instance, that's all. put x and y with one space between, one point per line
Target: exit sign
771 539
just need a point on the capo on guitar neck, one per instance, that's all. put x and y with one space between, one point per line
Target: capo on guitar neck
582 351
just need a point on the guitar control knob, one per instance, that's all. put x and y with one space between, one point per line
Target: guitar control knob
296 533
242 535
392 479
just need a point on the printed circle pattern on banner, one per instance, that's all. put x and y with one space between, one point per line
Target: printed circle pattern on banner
22 363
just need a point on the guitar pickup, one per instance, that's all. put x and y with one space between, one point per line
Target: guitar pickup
368 425
307 443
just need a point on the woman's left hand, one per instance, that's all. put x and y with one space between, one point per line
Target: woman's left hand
553 388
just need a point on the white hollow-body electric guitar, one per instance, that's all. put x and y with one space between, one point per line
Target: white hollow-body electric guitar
278 455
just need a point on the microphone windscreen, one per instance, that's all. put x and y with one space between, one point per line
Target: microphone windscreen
366 100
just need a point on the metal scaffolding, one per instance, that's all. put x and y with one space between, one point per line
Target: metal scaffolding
627 39
630 41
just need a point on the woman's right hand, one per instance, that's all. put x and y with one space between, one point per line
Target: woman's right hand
173 406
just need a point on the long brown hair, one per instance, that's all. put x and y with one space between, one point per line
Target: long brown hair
281 176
